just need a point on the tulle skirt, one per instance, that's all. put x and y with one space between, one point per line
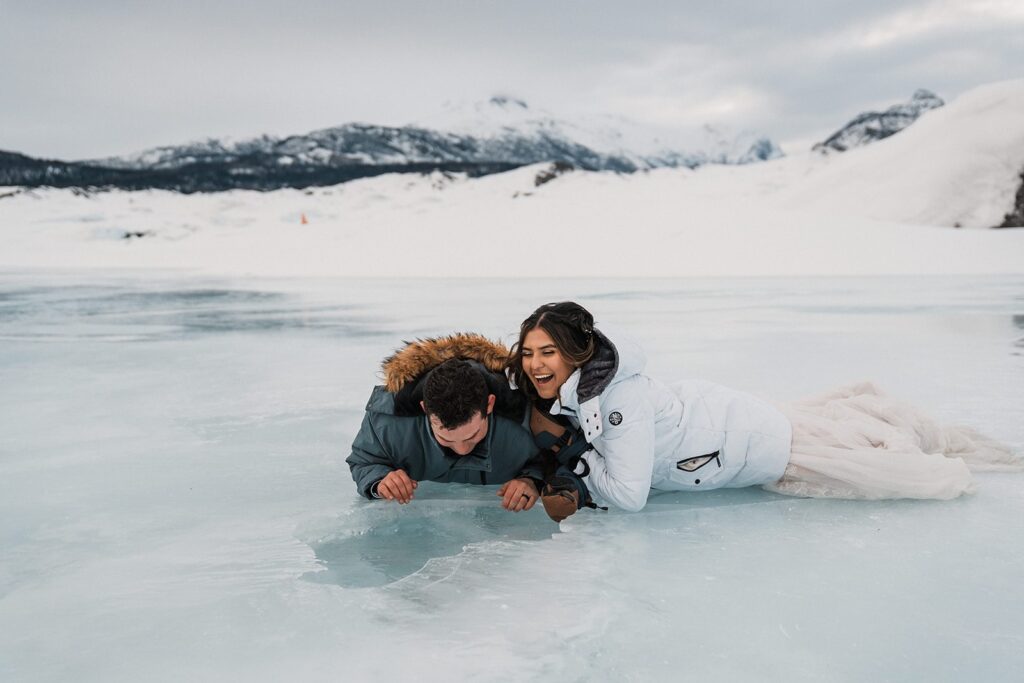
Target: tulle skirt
857 442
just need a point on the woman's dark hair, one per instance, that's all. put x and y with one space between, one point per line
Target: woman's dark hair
569 325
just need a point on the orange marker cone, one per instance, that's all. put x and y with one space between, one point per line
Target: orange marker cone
305 221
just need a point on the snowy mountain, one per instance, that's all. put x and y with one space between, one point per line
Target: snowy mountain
871 126
357 144
502 131
507 121
475 140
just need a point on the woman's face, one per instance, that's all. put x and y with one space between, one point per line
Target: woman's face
543 363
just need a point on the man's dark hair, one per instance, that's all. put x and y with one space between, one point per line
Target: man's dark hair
454 392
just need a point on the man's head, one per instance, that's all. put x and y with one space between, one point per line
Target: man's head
457 402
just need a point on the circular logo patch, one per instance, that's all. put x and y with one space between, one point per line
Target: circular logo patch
615 418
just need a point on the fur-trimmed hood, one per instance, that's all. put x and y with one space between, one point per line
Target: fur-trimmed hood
421 355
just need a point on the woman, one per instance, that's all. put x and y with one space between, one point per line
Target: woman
641 434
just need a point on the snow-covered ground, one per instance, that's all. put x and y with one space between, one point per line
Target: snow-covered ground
174 504
888 208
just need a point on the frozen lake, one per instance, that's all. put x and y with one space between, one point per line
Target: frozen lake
174 502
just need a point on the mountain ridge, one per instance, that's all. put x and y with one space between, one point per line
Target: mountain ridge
353 150
872 126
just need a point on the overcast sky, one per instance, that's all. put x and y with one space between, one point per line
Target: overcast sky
92 78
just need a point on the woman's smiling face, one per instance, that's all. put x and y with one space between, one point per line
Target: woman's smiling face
543 363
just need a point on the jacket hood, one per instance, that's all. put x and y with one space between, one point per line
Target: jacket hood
581 393
417 357
610 361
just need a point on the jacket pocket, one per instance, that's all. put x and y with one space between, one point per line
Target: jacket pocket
694 464
698 472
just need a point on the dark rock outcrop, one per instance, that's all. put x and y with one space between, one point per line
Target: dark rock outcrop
551 172
1015 219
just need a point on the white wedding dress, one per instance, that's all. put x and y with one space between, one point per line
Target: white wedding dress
857 442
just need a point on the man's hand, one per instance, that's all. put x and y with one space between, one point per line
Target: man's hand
397 486
518 494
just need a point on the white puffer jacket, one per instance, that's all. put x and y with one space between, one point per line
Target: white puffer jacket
693 436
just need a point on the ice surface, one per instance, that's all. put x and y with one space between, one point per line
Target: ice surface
174 503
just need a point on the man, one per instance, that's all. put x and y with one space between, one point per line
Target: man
445 413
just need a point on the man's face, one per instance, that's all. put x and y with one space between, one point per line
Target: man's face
464 438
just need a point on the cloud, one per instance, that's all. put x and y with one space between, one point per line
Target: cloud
923 22
106 77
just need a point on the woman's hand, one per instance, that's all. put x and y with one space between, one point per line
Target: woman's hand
518 494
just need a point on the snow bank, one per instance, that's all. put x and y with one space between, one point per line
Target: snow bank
873 210
956 166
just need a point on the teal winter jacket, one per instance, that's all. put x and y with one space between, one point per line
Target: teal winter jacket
395 434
